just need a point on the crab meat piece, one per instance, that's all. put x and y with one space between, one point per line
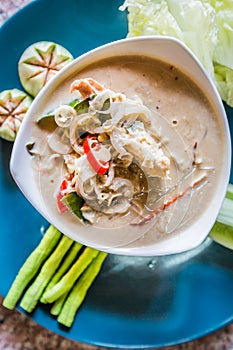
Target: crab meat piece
86 87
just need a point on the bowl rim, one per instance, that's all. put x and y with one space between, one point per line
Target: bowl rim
159 249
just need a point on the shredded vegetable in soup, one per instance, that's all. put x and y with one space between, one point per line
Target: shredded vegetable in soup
128 150
109 148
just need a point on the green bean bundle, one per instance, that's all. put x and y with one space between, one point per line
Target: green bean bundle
59 271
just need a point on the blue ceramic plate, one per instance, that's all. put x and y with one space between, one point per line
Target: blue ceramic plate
135 302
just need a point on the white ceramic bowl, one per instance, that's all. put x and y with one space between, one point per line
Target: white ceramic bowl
166 49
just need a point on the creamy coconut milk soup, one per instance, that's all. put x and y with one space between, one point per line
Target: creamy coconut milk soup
127 151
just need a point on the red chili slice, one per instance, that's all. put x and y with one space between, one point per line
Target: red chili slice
61 206
100 167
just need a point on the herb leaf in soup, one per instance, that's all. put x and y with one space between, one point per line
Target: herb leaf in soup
74 203
80 106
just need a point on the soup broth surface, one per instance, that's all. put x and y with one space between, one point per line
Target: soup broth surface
191 135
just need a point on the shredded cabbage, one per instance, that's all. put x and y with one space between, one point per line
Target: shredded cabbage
205 26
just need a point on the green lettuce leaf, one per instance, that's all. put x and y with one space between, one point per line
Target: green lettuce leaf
223 61
150 18
224 19
224 82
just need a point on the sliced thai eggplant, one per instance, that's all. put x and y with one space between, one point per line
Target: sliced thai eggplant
14 104
39 63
